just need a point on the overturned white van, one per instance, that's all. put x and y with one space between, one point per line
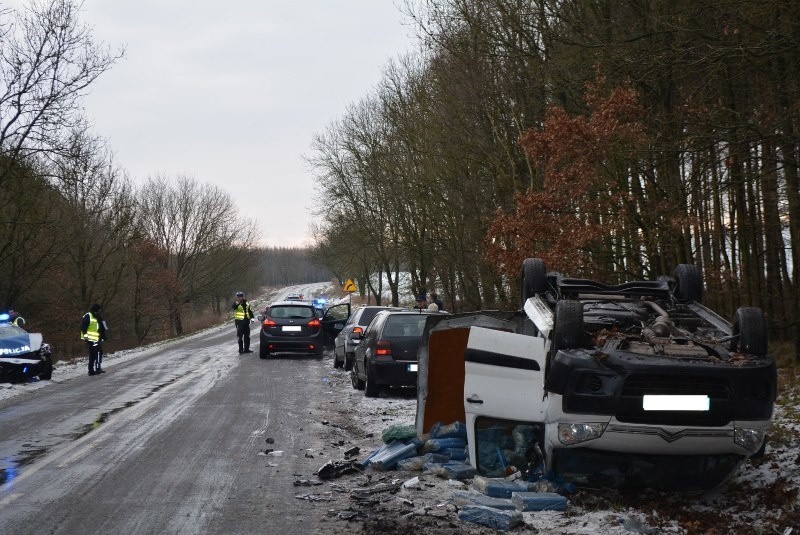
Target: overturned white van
632 385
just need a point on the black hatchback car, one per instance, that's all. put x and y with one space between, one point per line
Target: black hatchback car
344 347
295 327
387 352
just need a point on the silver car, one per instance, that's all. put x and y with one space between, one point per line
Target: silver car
344 346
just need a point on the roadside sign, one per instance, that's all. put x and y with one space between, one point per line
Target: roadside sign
349 286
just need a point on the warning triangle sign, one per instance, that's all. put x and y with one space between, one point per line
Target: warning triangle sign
349 286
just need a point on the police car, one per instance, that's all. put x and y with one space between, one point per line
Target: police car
23 355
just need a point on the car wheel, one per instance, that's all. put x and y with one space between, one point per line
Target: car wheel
47 374
371 390
357 383
263 352
689 283
750 331
348 361
568 328
534 278
336 362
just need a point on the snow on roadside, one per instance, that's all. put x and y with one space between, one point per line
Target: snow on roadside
373 415
762 494
67 370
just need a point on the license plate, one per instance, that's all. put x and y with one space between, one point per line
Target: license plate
291 328
652 402
412 367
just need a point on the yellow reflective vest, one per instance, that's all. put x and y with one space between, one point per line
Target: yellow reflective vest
242 312
93 331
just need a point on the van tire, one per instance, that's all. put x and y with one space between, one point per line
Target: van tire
568 327
689 283
750 331
534 278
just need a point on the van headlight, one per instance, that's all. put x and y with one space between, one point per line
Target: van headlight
748 438
569 434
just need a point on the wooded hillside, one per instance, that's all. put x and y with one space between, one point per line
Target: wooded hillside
615 139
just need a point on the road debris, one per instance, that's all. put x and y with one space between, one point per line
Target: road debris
334 469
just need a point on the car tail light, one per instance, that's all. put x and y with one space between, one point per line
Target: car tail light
314 323
359 330
384 348
269 323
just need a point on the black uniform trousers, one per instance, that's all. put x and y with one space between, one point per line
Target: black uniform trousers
243 334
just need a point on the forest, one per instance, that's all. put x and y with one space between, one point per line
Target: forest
162 256
615 139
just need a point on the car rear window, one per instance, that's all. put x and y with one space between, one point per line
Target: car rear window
404 325
367 314
291 311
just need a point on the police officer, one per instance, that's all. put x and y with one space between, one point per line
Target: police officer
14 318
242 316
438 302
93 332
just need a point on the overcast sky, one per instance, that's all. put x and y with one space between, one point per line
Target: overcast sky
231 93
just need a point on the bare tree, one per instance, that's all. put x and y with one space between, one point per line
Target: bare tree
99 218
193 224
48 59
30 238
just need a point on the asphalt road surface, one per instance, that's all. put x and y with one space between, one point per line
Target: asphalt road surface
173 441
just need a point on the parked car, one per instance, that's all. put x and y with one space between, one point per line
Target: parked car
23 355
386 354
630 385
344 346
295 327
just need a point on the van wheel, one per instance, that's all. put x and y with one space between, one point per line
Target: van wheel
568 328
534 278
690 283
750 331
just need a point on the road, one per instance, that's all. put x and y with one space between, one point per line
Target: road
172 441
